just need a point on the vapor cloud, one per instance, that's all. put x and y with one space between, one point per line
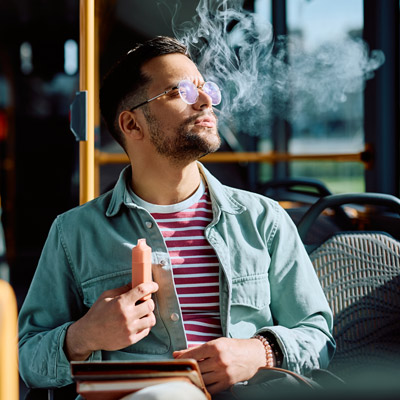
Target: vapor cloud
262 78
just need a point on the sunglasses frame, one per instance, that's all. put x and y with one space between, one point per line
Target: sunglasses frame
180 94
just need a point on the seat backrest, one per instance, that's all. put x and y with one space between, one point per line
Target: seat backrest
9 382
360 275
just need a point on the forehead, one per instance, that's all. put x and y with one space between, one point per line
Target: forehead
169 69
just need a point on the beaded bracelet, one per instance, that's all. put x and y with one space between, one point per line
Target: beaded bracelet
275 348
269 355
272 343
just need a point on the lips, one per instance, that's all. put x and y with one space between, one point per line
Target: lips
206 121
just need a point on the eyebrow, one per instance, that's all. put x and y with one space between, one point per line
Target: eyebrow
170 87
175 86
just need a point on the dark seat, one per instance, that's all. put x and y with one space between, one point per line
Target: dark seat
360 275
64 393
298 191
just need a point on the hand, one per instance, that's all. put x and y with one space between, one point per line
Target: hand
113 322
225 361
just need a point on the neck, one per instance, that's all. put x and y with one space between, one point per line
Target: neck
165 184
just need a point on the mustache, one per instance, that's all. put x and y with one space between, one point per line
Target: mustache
193 118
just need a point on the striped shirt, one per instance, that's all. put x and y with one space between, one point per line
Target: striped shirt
194 263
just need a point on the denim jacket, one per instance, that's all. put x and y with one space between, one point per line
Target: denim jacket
267 282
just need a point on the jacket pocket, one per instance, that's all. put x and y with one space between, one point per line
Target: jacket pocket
251 291
93 288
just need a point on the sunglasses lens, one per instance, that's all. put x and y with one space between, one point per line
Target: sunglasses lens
213 91
188 91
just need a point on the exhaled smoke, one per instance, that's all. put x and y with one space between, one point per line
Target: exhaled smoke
262 78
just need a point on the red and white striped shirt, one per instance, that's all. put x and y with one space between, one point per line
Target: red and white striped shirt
194 262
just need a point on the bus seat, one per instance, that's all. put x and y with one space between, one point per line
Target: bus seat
360 275
294 192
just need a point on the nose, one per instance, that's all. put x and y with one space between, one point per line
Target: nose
203 101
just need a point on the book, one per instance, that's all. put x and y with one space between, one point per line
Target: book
111 380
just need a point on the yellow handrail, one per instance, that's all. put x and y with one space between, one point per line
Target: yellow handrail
104 158
271 157
9 382
87 83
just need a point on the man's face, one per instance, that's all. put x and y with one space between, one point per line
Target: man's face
179 131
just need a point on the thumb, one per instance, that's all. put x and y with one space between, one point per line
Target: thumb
178 353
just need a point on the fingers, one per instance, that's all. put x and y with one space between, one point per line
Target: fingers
140 335
207 364
141 291
198 353
186 353
180 354
136 293
142 328
215 376
222 362
145 308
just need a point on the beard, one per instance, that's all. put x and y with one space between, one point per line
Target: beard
187 145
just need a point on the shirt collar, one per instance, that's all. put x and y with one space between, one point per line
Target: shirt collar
217 192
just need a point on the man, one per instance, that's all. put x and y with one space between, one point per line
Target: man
233 286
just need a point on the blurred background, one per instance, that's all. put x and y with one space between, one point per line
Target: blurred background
39 76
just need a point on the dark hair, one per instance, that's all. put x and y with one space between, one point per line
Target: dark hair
122 85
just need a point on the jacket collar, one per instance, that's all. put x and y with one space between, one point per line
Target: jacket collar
120 194
218 192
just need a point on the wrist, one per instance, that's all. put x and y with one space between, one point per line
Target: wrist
75 346
270 359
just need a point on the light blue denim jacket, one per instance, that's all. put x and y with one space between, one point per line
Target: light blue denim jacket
267 282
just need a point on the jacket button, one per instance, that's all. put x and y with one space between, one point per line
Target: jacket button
149 224
175 317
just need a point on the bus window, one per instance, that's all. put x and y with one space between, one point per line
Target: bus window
330 120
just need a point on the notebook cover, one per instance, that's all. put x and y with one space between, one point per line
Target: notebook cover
109 380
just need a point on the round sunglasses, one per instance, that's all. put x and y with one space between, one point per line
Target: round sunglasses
189 93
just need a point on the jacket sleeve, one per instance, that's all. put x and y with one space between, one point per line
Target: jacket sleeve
303 319
53 303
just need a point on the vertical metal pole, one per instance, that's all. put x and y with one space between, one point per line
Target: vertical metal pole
381 97
96 111
280 128
87 77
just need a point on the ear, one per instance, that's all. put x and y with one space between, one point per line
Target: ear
129 125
